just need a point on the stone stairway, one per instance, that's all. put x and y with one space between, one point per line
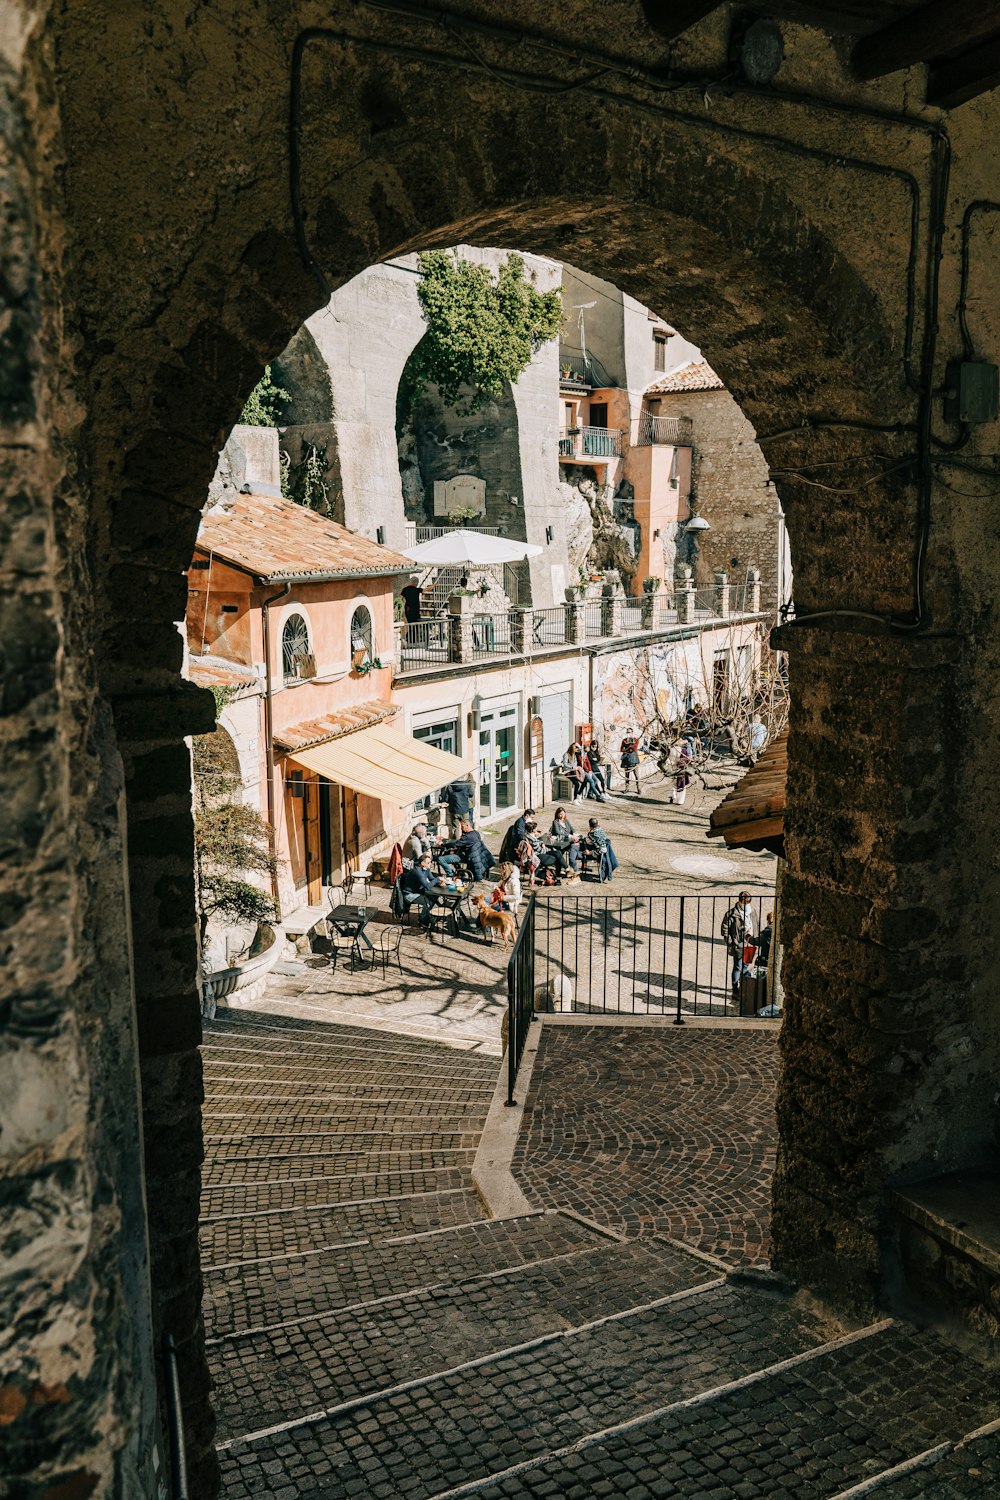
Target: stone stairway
372 1333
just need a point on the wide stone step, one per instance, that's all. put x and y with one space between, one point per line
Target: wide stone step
949 1471
814 1430
292 1133
237 1239
267 1292
353 1351
569 1369
336 1145
375 1159
247 1199
324 1053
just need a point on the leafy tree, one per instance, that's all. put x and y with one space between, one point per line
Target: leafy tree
481 331
231 840
264 404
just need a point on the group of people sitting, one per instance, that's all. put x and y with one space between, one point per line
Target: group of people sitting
585 768
559 855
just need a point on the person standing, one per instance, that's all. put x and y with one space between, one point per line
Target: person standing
739 928
458 795
601 770
629 752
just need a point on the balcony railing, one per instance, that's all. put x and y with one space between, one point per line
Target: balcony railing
654 430
415 534
586 443
448 640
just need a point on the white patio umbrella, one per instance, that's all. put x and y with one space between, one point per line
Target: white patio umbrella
473 548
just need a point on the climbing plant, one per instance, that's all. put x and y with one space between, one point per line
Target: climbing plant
231 839
306 481
265 402
482 329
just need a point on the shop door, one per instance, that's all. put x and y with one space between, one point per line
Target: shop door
497 761
313 842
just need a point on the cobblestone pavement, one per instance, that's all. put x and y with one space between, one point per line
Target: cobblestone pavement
667 1130
371 1333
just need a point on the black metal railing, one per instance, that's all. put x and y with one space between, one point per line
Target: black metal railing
654 430
646 955
423 644
520 993
491 635
548 626
632 616
593 619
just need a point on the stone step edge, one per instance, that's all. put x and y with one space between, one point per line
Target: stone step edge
377 1243
922 1460
370 1398
454 1285
702 1398
331 1207
399 1170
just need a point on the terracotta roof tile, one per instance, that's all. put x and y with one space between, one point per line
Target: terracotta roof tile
753 812
332 726
276 539
213 671
695 376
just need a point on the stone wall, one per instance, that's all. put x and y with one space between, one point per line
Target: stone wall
159 266
731 485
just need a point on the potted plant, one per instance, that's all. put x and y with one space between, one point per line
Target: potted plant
651 585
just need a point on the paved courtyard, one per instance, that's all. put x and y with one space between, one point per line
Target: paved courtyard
454 989
652 1130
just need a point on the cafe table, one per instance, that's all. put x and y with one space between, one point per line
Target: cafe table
350 922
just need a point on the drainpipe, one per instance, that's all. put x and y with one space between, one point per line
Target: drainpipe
269 729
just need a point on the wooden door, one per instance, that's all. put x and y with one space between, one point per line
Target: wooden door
313 842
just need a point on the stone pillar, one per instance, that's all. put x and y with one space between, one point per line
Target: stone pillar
612 602
684 596
885 1042
576 628
753 590
521 623
648 607
720 602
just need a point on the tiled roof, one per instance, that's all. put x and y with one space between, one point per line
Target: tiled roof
214 671
276 539
753 813
332 726
694 376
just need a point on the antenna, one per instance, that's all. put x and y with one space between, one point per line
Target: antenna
581 307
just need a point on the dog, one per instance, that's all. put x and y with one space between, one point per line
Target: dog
555 994
494 921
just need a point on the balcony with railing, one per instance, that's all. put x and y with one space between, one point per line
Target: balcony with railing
587 445
654 431
474 637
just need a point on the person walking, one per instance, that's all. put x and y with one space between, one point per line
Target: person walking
682 774
629 752
739 928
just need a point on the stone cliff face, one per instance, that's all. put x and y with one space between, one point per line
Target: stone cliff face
596 540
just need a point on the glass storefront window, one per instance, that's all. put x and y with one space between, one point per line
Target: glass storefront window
443 736
497 761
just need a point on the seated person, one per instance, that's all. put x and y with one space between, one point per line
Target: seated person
545 858
417 844
420 887
514 836
594 840
601 775
589 781
470 850
507 895
564 837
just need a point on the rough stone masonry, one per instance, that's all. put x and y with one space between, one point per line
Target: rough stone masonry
154 260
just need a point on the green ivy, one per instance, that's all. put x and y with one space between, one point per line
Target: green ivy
263 408
481 331
306 481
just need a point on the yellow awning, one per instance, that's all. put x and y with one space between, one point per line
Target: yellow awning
384 762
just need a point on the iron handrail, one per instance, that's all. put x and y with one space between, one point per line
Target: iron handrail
520 994
178 1455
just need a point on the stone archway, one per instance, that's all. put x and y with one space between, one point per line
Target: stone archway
174 274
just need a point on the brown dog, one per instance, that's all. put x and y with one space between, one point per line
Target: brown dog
494 921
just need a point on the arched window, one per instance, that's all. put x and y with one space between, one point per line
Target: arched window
296 658
362 640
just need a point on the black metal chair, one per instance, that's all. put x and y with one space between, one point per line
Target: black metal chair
389 940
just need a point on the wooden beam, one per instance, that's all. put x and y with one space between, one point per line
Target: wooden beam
938 29
951 83
669 18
